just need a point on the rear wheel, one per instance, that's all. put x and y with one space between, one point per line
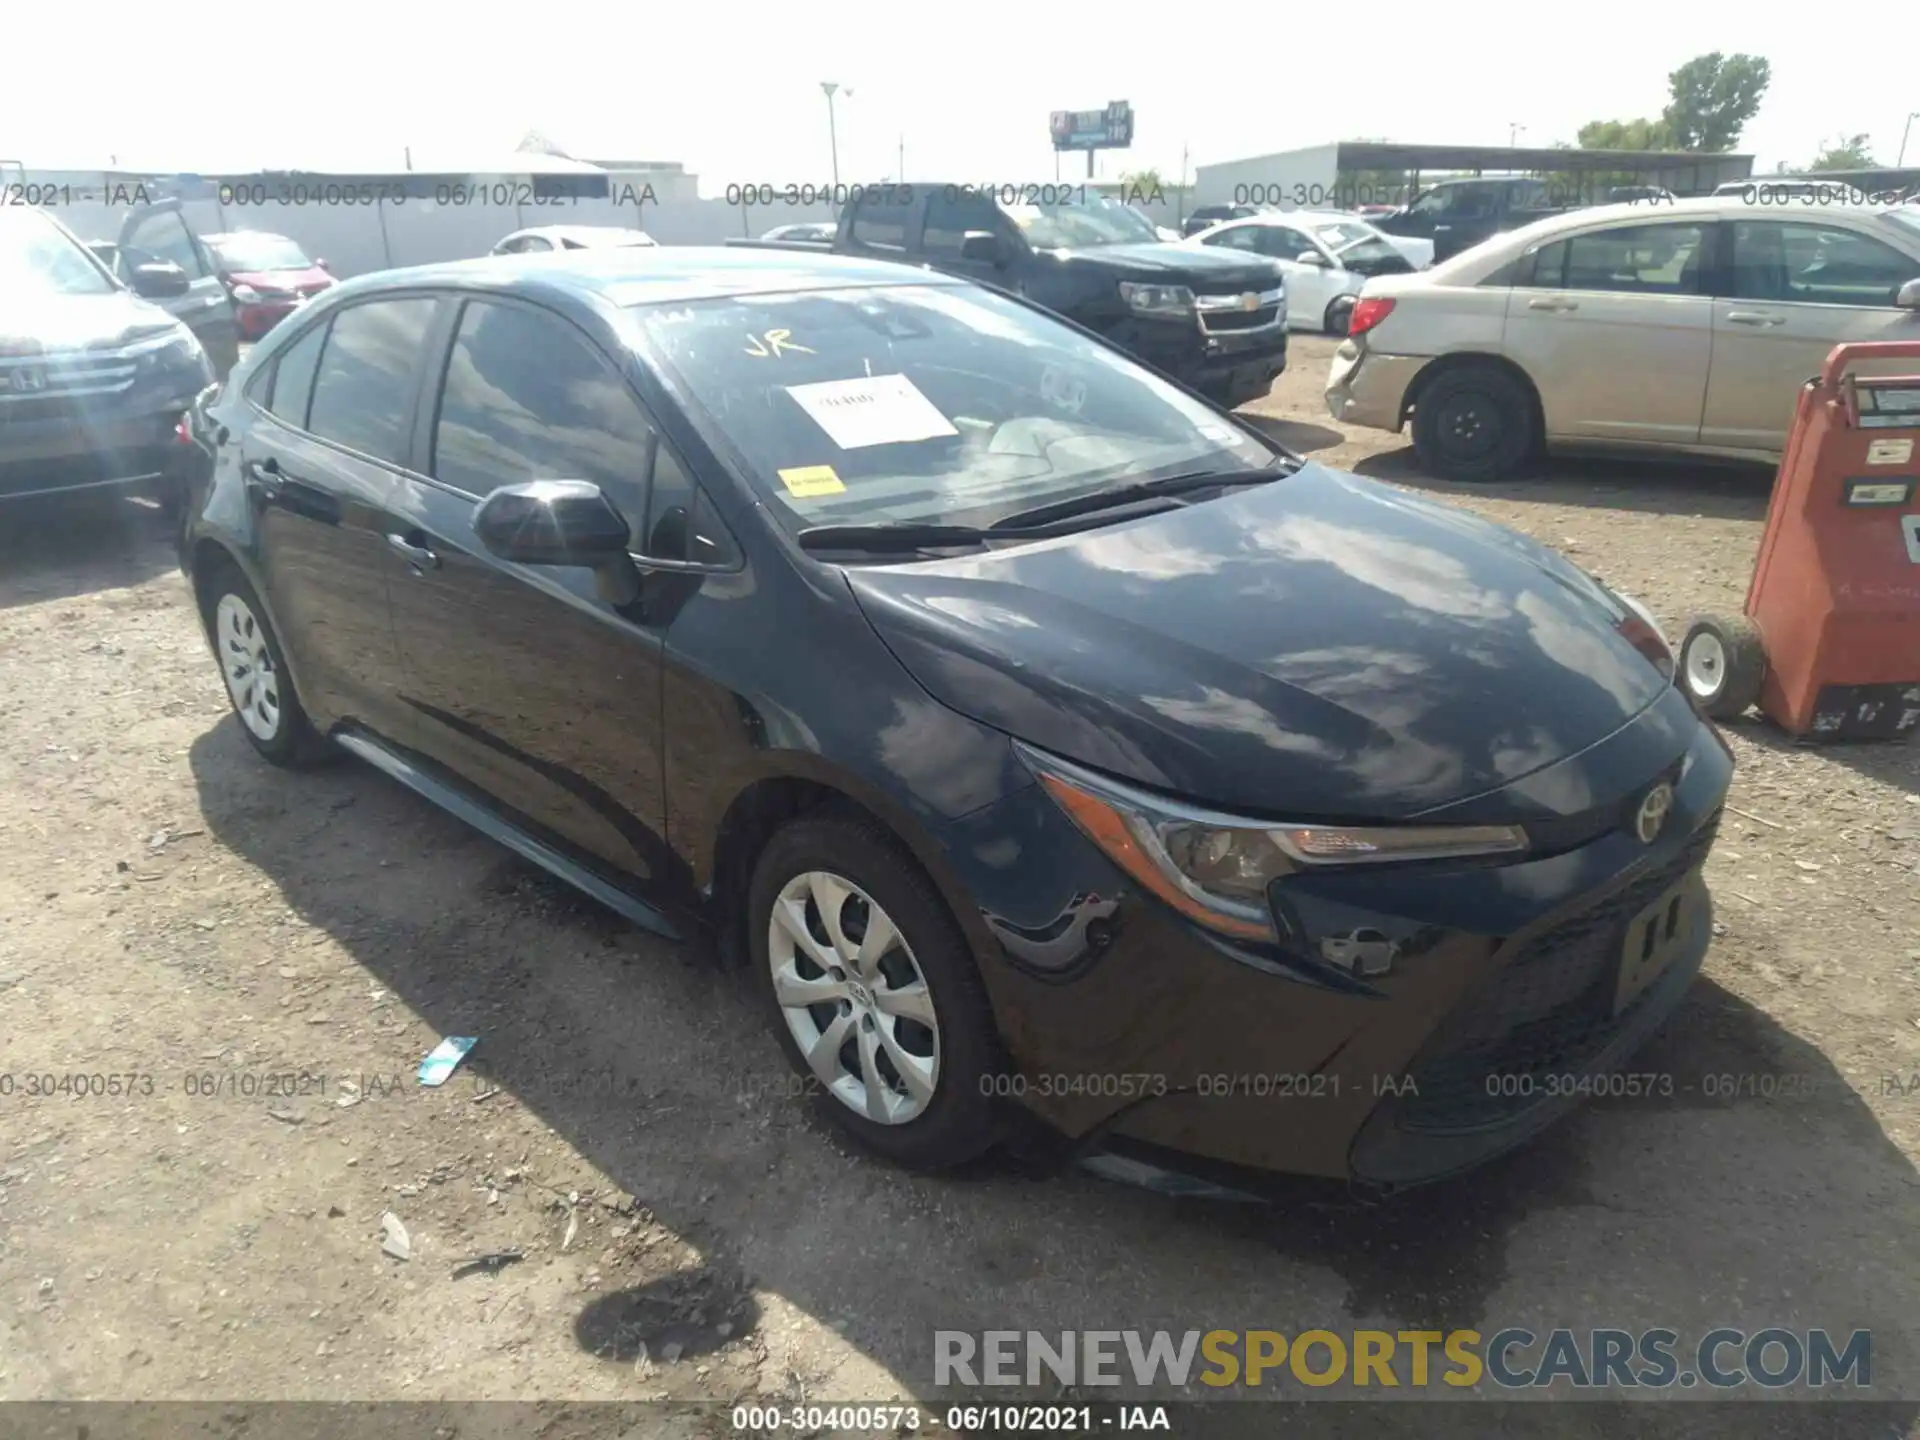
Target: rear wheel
1474 424
1723 663
255 671
872 991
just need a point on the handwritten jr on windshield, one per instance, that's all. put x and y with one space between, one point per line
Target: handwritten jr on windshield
774 343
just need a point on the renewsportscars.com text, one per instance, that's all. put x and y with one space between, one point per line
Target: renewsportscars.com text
1508 1359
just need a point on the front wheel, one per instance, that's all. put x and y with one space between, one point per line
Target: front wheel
255 671
872 991
1723 664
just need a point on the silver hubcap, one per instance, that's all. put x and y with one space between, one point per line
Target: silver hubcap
1706 664
854 998
248 666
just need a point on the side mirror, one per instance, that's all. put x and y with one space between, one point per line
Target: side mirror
322 265
159 280
1313 258
1908 297
982 246
552 522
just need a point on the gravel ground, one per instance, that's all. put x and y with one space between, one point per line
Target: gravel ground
268 956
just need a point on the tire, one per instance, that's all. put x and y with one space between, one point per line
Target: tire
1475 424
927 1127
1339 315
1723 663
254 669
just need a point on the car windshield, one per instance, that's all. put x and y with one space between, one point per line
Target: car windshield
1074 225
928 403
1909 221
260 252
36 256
1336 235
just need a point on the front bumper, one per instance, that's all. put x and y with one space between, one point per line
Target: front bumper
1229 367
1130 1028
128 444
1367 387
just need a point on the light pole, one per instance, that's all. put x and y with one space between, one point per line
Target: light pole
1514 131
1901 159
833 138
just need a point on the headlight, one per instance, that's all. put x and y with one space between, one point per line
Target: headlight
1215 869
1646 636
1169 301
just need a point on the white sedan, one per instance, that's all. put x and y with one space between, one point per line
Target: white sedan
541 239
1326 255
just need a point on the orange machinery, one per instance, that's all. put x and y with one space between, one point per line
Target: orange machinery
1829 644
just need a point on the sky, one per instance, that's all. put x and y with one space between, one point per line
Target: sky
732 91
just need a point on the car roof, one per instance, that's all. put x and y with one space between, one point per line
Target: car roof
661 274
561 232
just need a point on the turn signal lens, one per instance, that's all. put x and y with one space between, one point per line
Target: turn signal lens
1368 311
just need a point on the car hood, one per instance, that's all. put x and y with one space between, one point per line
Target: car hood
312 277
1177 260
31 322
1318 647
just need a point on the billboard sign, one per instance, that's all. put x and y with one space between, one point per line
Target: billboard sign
1108 129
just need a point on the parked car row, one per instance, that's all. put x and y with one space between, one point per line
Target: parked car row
1007 710
1210 318
1690 328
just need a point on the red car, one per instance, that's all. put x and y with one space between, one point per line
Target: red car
269 277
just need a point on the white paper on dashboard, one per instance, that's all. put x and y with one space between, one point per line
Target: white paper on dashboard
871 410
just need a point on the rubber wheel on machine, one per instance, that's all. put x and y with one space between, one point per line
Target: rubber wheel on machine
851 941
1339 315
1474 424
254 668
1722 665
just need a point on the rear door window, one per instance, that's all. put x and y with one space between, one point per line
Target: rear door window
363 393
1637 259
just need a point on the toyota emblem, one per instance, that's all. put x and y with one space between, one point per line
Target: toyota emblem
1653 813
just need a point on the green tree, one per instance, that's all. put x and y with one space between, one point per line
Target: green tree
1713 98
1641 134
1849 152
1143 179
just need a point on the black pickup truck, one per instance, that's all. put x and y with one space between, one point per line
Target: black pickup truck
1213 319
1458 214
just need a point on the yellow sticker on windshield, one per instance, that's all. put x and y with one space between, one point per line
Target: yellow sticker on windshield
806 481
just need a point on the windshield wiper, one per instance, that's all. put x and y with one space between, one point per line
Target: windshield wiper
1136 493
880 538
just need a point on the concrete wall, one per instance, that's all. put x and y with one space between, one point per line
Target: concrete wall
1288 179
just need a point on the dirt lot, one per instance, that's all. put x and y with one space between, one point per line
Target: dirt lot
175 911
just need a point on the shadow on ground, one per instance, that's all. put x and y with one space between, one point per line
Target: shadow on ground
1682 1208
1297 435
1719 490
56 547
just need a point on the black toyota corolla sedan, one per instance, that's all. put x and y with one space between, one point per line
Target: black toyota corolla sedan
1040 737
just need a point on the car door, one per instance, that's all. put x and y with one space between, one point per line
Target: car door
1309 287
952 214
159 232
331 434
1790 290
1615 331
527 684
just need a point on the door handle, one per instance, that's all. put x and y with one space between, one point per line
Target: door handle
418 556
266 473
1553 304
1749 317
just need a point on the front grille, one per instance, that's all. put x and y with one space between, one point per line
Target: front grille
33 381
1226 321
1547 1012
